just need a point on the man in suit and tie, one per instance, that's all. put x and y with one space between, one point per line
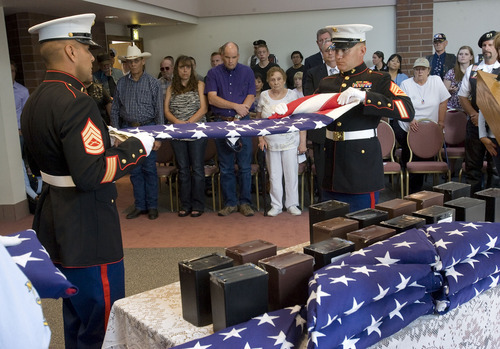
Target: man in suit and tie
323 36
317 137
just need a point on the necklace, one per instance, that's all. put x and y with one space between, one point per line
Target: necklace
422 95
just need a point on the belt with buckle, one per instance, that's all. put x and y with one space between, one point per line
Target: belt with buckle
229 118
58 181
138 124
350 135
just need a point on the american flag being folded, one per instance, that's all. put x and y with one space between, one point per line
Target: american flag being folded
456 242
334 334
341 290
278 329
35 263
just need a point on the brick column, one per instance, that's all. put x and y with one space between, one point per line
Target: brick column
414 30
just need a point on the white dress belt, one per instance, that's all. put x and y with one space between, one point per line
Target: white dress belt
351 135
58 181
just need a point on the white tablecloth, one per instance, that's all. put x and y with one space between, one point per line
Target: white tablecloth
153 319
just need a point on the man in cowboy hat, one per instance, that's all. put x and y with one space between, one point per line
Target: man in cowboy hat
138 101
67 141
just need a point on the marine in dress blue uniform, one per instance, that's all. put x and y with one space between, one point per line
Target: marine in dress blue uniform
354 170
68 143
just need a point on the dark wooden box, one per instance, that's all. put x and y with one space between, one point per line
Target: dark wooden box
468 209
403 223
492 198
426 198
368 216
369 235
251 251
289 275
327 251
195 286
453 190
397 207
436 214
238 294
337 227
326 210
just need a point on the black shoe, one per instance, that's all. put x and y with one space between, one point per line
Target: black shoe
183 213
152 213
196 213
136 213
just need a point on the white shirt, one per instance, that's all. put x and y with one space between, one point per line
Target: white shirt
426 98
332 71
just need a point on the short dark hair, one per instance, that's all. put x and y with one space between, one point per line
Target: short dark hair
297 53
400 61
379 54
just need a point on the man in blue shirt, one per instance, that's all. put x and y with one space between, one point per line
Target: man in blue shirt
138 101
441 61
230 88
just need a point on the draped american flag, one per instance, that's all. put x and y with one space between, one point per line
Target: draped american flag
281 329
34 261
307 113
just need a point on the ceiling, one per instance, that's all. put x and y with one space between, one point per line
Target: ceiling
126 11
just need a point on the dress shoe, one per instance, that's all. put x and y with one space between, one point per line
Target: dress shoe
196 213
152 213
183 213
136 213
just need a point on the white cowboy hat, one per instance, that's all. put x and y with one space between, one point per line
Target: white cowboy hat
134 52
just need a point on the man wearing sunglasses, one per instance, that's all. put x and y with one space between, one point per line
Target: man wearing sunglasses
166 72
354 171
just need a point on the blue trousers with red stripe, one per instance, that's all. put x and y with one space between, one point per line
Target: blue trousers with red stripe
356 201
86 314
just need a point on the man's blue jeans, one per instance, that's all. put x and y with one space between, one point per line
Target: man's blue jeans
144 180
229 178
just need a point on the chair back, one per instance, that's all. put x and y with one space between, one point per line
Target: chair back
210 150
165 154
427 141
455 124
386 138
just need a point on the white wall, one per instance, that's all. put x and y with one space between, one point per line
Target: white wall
463 22
284 33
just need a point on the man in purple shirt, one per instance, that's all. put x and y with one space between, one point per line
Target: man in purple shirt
230 88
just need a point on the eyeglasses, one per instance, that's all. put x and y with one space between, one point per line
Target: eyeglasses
322 41
164 68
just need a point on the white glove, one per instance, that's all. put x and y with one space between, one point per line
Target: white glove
280 108
146 139
350 95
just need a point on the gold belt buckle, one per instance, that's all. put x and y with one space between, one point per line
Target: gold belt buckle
338 136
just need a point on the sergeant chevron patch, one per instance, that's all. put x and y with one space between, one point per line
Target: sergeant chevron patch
92 139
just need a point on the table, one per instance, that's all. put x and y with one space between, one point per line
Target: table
153 319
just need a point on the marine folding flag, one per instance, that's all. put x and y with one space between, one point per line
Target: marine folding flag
34 261
281 329
322 110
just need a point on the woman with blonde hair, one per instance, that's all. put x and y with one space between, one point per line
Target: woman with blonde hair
453 78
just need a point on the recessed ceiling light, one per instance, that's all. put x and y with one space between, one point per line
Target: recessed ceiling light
111 17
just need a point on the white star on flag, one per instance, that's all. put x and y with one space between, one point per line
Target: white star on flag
314 336
300 321
247 346
330 321
232 134
382 293
361 252
374 326
492 242
199 346
343 279
494 281
294 309
336 266
264 132
170 127
319 124
233 333
266 319
292 129
201 125
471 262
198 134
355 307
280 338
442 243
404 244
386 260
473 251
396 312
23 259
472 225
163 135
320 294
457 232
403 283
453 273
363 270
350 343
433 229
